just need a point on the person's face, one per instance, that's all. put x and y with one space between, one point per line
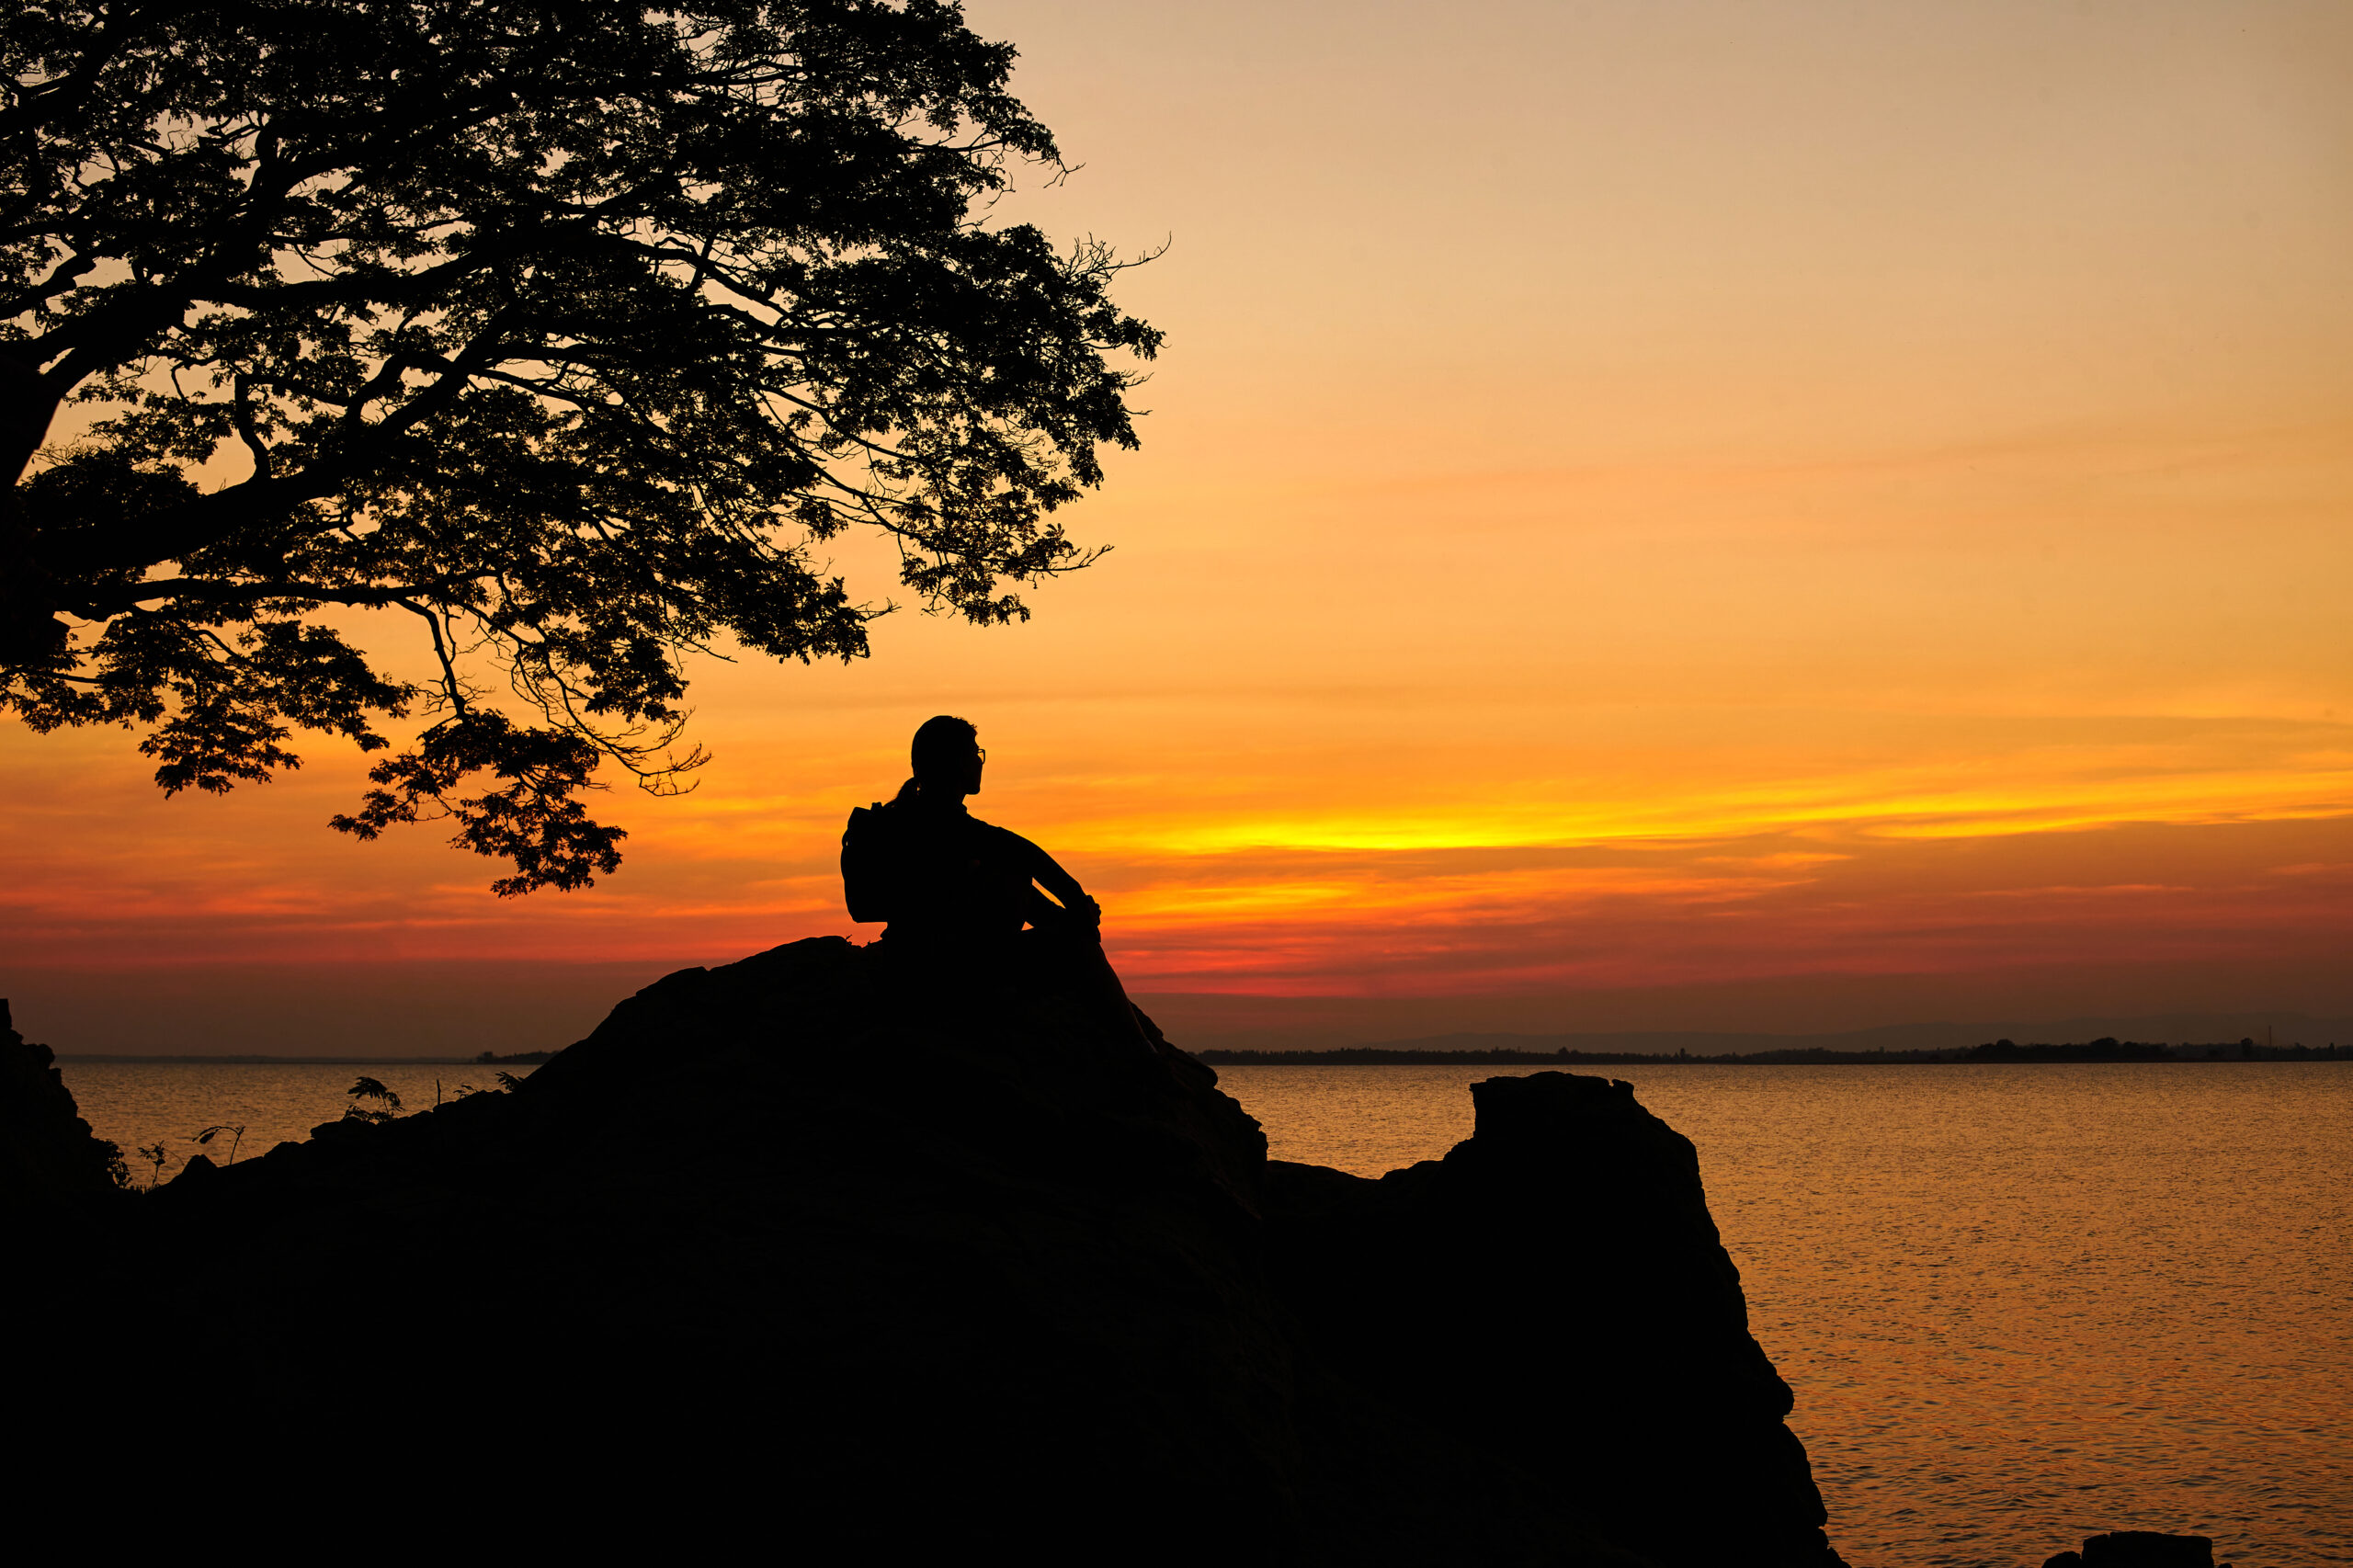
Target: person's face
968 767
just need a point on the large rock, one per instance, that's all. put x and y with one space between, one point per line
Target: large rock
1553 1292
53 1167
2139 1549
887 1269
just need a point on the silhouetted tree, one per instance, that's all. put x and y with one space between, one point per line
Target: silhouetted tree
564 331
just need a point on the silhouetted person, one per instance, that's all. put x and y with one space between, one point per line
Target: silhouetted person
958 893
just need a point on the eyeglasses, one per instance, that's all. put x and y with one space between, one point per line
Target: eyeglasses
980 754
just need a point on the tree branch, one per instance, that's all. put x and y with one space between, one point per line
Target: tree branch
42 101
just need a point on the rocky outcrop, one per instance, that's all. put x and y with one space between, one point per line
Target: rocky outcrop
803 1243
2139 1548
1553 1292
52 1166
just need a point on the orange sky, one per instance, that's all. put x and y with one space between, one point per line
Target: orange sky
1731 515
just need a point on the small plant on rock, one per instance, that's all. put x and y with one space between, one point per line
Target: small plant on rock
237 1136
387 1106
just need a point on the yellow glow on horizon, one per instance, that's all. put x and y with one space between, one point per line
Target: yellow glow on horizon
1711 493
1877 805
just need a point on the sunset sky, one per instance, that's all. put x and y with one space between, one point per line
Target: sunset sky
1653 515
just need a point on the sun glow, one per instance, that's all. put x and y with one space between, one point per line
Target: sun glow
1774 518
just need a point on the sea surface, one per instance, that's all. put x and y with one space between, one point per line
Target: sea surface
2019 1305
143 1105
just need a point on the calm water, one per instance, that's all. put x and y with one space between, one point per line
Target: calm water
138 1104
2019 1305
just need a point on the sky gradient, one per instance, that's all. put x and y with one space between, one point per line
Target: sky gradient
1783 517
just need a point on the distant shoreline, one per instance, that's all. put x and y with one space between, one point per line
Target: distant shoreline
1999 1055
1376 1056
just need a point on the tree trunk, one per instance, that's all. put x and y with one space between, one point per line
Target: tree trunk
30 633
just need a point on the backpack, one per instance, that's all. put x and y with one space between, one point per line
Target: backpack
867 854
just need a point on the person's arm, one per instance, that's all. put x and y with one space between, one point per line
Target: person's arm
1048 873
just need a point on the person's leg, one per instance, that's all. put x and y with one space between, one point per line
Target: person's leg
1073 954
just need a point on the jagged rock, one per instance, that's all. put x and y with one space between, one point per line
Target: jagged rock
1572 1235
2139 1548
804 1243
198 1170
51 1163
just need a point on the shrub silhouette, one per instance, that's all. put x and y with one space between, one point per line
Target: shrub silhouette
155 1155
387 1106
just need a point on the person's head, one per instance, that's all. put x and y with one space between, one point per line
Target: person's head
947 755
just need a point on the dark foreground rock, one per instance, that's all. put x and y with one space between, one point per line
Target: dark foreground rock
2139 1548
53 1170
792 1245
1554 1290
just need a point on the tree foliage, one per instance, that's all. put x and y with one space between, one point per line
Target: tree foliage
562 332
